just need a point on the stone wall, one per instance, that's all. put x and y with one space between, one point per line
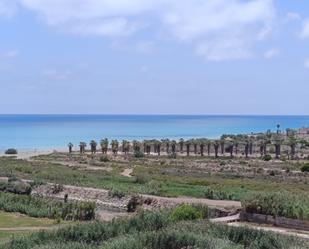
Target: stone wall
277 221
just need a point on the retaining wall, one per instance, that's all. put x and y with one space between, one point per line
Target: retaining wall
277 221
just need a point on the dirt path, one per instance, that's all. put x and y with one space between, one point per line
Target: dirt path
208 202
283 231
127 172
19 229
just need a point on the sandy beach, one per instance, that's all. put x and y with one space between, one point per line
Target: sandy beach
28 153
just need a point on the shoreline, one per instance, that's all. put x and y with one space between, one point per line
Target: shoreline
28 153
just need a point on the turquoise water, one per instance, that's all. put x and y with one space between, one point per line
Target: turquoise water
55 131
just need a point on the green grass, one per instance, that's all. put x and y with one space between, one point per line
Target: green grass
155 230
14 220
166 183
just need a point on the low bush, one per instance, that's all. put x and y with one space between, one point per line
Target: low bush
267 157
116 193
186 212
104 159
11 151
16 187
139 154
134 202
154 230
282 204
142 179
218 194
46 208
305 168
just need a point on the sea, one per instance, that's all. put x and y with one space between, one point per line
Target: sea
56 131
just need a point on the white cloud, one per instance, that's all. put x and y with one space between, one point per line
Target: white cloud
7 8
271 53
305 30
218 29
306 64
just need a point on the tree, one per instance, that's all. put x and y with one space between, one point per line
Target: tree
157 146
173 144
195 144
125 146
70 145
104 145
208 142
247 145
188 145
115 146
181 143
277 141
93 146
231 147
136 146
202 145
216 147
222 143
167 145
292 142
82 147
251 145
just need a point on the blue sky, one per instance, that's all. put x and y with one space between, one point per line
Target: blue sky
154 56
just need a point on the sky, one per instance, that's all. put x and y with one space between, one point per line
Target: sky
154 57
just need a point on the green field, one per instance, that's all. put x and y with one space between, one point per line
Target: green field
160 177
15 224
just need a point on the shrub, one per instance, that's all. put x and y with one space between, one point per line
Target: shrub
104 159
154 187
217 194
186 212
283 204
142 179
46 208
11 151
116 193
267 157
305 168
16 187
133 203
138 154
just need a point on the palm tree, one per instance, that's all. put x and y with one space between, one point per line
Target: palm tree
93 146
231 146
157 145
136 146
181 143
292 142
70 145
166 142
82 147
195 144
277 140
236 143
104 145
222 142
188 144
147 146
115 146
247 145
125 146
208 143
202 145
173 144
251 145
216 147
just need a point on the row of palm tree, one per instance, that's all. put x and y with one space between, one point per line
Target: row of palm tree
227 144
